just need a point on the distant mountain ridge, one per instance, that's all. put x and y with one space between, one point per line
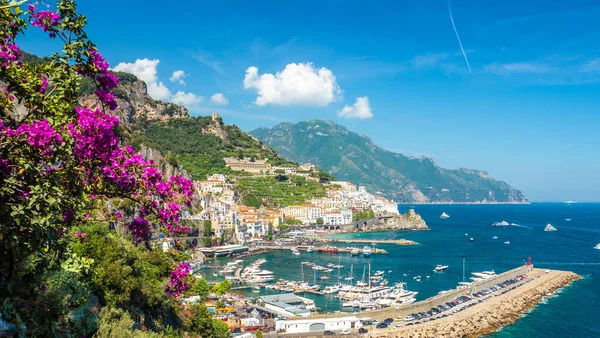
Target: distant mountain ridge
355 158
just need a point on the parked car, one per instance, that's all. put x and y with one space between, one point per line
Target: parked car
362 330
388 320
382 326
345 332
329 333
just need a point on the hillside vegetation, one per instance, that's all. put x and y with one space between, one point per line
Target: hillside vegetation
201 152
282 192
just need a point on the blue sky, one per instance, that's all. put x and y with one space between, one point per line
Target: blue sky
528 112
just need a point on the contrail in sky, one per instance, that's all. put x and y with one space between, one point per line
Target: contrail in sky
458 37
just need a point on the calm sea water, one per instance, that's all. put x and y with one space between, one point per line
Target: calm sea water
575 312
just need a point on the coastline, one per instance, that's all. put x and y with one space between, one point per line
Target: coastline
465 203
491 315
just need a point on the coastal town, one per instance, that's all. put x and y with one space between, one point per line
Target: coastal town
222 204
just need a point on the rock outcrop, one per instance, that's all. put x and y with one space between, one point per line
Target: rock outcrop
215 127
135 104
411 220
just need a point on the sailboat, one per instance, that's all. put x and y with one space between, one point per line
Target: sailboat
549 227
463 284
597 247
444 215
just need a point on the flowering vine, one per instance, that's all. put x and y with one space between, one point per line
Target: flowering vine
59 160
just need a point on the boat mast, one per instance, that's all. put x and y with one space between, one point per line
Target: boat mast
302 265
369 277
339 261
463 270
315 282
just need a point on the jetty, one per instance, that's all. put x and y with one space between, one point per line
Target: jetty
472 318
340 250
373 241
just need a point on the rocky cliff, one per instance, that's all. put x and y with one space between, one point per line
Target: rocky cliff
135 105
134 102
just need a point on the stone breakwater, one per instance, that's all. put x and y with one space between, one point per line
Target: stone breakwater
492 314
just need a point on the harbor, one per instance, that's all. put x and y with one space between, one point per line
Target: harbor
485 308
433 270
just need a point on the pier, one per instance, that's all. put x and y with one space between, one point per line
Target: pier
340 250
373 241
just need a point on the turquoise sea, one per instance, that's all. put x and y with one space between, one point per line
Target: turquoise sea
574 312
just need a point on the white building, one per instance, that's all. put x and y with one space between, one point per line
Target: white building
288 304
321 324
337 217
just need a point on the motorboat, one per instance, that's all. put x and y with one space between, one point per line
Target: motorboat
444 215
549 227
507 242
378 273
310 248
568 219
295 252
366 251
495 237
440 267
471 239
501 224
355 252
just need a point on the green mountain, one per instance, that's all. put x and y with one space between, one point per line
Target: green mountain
355 158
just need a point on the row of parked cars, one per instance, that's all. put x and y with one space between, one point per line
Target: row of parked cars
462 299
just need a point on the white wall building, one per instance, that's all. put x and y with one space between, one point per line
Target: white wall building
321 324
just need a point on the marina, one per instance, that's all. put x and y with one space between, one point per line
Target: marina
469 263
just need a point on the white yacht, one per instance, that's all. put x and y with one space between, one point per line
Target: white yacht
484 274
597 247
440 267
495 237
501 224
549 227
355 252
366 251
295 252
507 242
310 248
444 215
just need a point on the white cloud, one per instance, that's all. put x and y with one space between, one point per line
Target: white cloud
219 99
145 70
297 84
186 99
360 110
178 76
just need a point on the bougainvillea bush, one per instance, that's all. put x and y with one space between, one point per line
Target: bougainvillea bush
60 163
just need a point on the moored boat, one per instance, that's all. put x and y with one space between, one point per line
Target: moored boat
329 249
366 251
